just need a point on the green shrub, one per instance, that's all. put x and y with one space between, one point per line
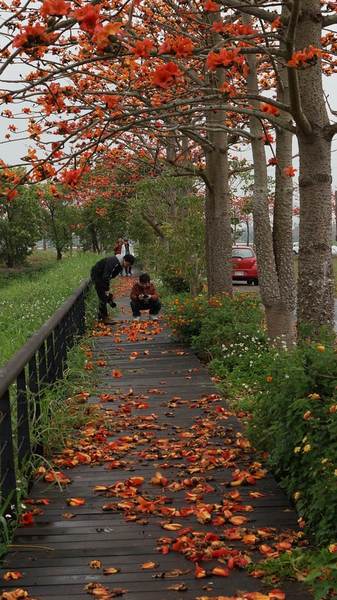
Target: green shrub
295 420
230 327
175 284
185 315
316 568
213 325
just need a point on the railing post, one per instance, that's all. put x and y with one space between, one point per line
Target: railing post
23 429
42 365
58 351
51 367
8 478
81 309
35 398
64 348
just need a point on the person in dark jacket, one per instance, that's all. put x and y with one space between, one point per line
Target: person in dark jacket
101 274
144 297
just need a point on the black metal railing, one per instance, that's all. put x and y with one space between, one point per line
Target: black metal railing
40 362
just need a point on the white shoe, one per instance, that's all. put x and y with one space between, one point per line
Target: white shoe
153 318
136 319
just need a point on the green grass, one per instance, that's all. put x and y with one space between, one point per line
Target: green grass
36 264
31 299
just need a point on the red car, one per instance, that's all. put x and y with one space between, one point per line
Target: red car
244 265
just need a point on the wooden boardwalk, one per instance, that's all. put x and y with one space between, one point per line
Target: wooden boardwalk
161 419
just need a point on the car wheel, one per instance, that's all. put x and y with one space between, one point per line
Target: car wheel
256 282
249 282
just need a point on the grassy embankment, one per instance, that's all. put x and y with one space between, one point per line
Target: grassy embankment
30 296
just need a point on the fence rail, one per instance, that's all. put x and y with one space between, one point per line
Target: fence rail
40 362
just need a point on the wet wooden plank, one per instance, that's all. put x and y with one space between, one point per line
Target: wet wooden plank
54 554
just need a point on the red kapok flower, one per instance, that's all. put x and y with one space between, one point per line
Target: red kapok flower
32 35
165 75
72 176
102 34
211 6
183 47
142 48
87 17
218 27
55 7
289 171
27 518
10 194
269 109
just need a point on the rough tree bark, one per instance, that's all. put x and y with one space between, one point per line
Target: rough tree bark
315 281
218 232
217 211
335 205
282 222
277 314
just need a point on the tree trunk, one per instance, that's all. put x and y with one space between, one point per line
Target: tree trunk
315 281
9 261
94 240
248 232
315 274
335 200
277 315
218 232
58 253
281 324
282 223
217 211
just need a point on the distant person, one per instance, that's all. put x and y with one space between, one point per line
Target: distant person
101 274
118 247
144 297
127 248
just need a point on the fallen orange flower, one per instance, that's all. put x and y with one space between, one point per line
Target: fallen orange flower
12 576
116 373
75 501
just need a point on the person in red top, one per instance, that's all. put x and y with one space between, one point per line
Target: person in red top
144 297
118 246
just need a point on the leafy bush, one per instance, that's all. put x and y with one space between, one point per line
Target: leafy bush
317 568
20 227
213 326
174 283
186 314
295 420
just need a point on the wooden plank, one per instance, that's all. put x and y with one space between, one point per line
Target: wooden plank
54 554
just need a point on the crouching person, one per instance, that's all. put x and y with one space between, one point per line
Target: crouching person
144 297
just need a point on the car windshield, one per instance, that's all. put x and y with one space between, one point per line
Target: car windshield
242 253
